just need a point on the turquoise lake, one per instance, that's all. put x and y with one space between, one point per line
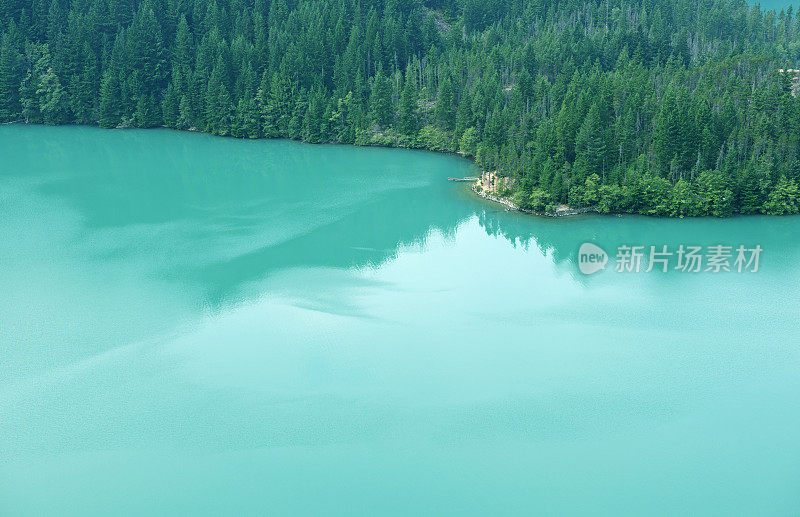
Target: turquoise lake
194 325
775 5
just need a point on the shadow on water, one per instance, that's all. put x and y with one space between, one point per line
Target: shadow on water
220 213
364 237
561 238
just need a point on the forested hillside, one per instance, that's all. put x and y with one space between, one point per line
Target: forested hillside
659 107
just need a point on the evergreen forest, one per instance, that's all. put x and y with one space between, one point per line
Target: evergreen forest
658 107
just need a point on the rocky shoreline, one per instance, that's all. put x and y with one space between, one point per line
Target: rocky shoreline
487 187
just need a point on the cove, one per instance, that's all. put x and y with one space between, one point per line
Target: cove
208 326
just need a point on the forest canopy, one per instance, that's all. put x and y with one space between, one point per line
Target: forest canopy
659 107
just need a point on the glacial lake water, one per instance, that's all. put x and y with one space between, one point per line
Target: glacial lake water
776 5
193 325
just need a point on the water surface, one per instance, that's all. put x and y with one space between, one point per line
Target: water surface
206 326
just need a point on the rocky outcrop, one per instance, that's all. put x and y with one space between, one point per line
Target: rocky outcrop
564 210
490 186
794 76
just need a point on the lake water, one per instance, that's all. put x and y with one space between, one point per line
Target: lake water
775 5
207 326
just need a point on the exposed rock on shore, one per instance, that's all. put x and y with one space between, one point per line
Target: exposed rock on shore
493 187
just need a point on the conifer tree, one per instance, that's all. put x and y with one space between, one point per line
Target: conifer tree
445 107
10 80
408 105
382 110
110 100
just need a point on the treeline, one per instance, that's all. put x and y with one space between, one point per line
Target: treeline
659 107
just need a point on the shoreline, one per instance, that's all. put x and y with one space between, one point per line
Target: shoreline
486 187
488 194
563 212
485 193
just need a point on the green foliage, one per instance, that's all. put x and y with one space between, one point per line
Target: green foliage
433 138
10 79
591 194
469 142
716 194
381 100
614 199
652 195
52 98
445 107
536 200
660 109
684 201
171 107
784 198
408 105
110 100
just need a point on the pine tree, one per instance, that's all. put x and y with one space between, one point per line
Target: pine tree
667 133
84 88
170 107
246 119
408 123
10 80
55 20
751 193
110 100
313 117
185 118
445 107
224 118
213 110
145 54
382 111
590 145
183 53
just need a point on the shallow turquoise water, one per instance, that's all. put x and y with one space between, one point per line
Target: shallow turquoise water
206 326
